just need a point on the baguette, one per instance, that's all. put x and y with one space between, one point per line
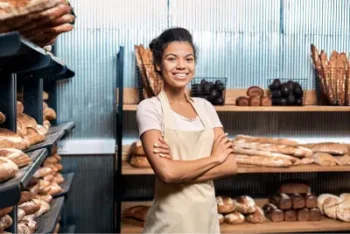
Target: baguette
330 148
263 161
278 141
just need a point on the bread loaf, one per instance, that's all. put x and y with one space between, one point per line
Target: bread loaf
30 223
307 161
278 141
298 201
21 128
315 214
310 201
30 207
290 215
16 156
2 118
41 172
5 211
34 136
59 179
20 108
44 207
282 201
303 215
49 114
234 218
55 189
273 213
330 206
242 101
139 161
245 205
44 187
49 178
254 101
343 211
10 139
322 198
257 217
265 101
8 169
51 159
225 204
262 161
20 214
255 91
324 159
344 196
25 197
292 188
330 148
23 228
5 222
137 148
342 160
221 219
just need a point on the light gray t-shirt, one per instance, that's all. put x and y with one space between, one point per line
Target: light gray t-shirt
149 116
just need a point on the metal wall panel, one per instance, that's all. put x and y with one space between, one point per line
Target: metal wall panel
226 15
320 17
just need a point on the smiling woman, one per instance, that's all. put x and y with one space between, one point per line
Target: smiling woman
184 142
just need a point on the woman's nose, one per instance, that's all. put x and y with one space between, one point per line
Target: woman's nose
180 64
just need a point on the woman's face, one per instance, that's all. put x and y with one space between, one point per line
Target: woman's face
178 64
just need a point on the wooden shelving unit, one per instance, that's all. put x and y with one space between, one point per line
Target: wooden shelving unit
127 169
326 224
232 108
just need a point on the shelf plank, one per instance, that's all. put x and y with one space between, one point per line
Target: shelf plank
10 191
127 169
47 222
232 108
50 140
68 180
133 226
66 127
68 229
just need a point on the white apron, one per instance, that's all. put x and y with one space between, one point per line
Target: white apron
187 207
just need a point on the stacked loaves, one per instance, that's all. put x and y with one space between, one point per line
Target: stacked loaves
152 82
293 202
138 156
335 207
238 211
255 98
270 152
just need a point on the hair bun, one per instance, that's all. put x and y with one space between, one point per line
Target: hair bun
154 44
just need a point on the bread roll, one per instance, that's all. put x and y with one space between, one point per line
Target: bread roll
30 207
282 201
255 91
5 211
10 139
298 201
221 218
303 215
322 198
310 201
254 101
34 188
42 172
5 222
242 101
41 129
136 148
292 188
59 179
245 205
30 223
8 169
55 189
234 218
139 161
324 159
16 156
257 217
44 187
44 207
265 101
330 206
51 159
23 228
55 155
315 214
49 178
2 118
290 216
49 114
273 213
225 204
330 148
25 197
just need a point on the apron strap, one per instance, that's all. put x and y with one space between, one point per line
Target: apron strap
168 118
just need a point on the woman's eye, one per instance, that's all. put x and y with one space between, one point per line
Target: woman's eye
172 59
190 59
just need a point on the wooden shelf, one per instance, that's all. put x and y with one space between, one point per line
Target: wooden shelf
325 225
233 108
127 169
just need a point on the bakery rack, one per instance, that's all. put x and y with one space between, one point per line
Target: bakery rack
25 65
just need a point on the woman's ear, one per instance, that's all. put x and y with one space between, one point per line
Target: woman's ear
158 67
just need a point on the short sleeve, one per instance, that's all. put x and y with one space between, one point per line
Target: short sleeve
213 115
148 116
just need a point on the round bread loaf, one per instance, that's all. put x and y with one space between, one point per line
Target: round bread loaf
221 218
234 218
321 199
330 206
139 148
139 161
8 169
343 211
245 205
225 204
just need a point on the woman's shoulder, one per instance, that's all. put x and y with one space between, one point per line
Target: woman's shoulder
149 105
202 103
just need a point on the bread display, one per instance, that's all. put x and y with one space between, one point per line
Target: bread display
8 169
225 204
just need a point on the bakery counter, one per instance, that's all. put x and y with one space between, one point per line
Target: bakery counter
127 169
133 226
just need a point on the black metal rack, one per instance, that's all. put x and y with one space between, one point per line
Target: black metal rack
27 67
47 222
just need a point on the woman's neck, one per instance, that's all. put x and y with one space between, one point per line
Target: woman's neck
175 95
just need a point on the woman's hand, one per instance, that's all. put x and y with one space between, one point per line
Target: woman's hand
222 148
162 149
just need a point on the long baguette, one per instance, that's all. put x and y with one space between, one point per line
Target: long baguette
279 141
262 161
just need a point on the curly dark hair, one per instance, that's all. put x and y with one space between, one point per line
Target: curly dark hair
159 44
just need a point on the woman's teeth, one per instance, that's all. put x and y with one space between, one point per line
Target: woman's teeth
180 76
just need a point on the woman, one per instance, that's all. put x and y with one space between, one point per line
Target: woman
184 142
